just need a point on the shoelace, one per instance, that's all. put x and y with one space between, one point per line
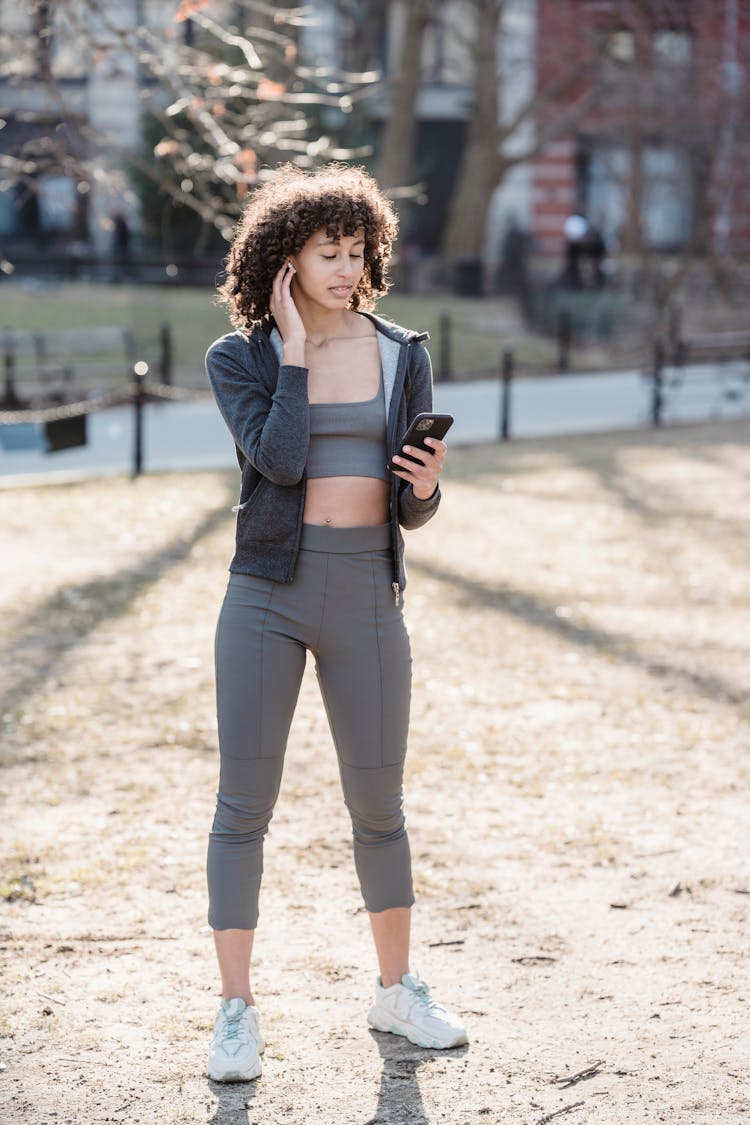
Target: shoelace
422 991
233 1026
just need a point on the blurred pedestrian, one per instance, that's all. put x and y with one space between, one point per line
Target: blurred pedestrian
120 246
575 229
316 390
513 272
595 249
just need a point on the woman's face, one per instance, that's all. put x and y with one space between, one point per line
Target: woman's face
329 269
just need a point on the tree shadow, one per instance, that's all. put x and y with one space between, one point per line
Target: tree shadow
480 465
535 611
399 1097
657 504
62 622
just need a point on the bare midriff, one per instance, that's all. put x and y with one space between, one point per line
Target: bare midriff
345 371
346 501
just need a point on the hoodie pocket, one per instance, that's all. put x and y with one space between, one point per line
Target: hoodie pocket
269 515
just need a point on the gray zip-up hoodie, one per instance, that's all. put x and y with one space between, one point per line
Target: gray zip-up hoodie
265 405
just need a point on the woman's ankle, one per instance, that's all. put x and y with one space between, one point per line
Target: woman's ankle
239 994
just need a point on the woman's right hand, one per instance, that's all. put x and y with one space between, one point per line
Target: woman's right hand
283 308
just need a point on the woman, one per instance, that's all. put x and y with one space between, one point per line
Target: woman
316 392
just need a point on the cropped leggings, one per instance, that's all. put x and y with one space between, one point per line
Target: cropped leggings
341 607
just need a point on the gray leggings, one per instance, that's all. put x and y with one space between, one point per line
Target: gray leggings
341 607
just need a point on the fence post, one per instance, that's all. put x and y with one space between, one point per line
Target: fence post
446 367
564 337
657 398
674 331
165 353
506 376
139 372
10 397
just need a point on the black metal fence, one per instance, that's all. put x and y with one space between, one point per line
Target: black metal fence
672 370
45 367
144 269
63 426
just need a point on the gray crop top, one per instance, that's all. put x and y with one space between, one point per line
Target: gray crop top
347 439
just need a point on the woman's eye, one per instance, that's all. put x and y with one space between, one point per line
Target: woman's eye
357 257
329 257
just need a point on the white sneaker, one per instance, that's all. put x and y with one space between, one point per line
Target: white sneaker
408 1009
237 1044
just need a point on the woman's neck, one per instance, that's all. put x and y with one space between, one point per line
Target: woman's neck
322 325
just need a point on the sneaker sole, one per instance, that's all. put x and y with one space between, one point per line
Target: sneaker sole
412 1033
237 1076
240 1075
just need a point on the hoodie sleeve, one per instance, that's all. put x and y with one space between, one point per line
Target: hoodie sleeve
271 430
413 512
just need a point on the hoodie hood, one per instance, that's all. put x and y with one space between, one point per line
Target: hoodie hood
395 331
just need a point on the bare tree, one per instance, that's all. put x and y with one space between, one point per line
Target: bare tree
681 98
397 142
554 108
224 81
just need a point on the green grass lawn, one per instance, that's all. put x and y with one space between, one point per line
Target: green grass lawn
481 327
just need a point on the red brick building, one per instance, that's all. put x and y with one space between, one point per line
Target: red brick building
658 150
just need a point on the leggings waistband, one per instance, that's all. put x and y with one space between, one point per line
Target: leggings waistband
345 540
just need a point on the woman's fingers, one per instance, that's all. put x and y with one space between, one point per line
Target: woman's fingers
283 307
431 461
426 471
282 281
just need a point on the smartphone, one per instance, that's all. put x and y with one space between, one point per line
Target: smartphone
423 426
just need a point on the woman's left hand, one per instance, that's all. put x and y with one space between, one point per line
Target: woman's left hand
423 477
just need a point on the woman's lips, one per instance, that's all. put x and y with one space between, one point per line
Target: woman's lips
341 290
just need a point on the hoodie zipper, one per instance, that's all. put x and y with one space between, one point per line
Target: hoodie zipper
394 545
416 338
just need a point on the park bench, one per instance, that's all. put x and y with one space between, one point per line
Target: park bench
57 364
720 360
717 347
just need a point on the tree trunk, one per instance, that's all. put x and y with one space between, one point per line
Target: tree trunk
397 142
640 106
481 165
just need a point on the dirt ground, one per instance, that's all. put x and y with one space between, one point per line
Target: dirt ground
577 787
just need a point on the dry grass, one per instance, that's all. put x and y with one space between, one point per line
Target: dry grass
576 796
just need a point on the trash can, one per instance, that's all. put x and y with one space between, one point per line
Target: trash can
467 277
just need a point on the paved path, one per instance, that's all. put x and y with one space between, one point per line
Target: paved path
193 436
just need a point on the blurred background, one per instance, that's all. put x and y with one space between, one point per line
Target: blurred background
572 179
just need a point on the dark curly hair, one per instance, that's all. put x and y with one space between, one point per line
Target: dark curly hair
280 216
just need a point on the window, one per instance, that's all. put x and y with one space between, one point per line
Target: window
446 50
667 198
666 202
17 40
672 57
70 54
8 216
621 48
617 66
673 48
58 203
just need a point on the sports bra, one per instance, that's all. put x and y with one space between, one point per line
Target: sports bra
347 439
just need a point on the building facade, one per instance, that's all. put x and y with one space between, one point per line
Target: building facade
70 104
657 155
72 96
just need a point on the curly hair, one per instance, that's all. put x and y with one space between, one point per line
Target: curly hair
280 216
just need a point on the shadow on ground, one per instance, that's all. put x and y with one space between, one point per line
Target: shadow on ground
62 622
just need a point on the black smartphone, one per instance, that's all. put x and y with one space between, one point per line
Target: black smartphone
423 426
